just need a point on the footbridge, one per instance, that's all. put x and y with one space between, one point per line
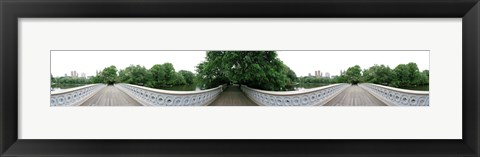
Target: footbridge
342 94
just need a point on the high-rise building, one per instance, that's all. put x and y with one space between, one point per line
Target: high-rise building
327 75
73 73
318 73
84 75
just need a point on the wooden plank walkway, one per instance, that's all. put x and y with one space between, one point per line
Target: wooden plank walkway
111 96
355 96
233 96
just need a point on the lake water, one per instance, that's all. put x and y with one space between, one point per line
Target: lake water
59 87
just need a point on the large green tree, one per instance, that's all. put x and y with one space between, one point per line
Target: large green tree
188 76
170 74
109 75
257 69
158 76
353 74
164 75
378 74
406 75
134 74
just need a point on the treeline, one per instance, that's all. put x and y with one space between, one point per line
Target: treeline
69 80
257 69
402 76
158 76
315 79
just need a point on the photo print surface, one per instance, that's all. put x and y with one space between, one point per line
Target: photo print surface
239 78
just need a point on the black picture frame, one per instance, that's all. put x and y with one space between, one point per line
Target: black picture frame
11 10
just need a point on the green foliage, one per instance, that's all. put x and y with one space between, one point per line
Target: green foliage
257 69
378 74
314 79
179 79
341 78
70 80
109 75
188 76
170 75
402 76
158 76
210 73
406 75
424 77
353 74
134 74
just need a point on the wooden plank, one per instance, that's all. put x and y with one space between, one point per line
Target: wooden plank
233 96
355 96
111 96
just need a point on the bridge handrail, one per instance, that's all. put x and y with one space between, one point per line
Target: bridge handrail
310 97
69 90
397 97
157 97
170 91
74 96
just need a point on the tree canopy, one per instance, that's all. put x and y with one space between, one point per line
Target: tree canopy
109 75
402 76
158 76
378 74
353 74
257 69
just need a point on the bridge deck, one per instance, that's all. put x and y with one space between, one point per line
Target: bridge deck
233 96
111 96
355 96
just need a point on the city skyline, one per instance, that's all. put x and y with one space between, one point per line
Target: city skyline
302 63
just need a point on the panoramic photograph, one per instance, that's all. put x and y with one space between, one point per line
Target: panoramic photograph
239 78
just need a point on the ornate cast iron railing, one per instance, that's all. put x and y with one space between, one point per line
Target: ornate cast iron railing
156 97
309 97
74 96
397 97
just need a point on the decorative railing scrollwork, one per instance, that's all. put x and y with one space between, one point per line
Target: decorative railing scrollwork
310 97
74 96
156 97
397 97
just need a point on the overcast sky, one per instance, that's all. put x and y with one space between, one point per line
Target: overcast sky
302 62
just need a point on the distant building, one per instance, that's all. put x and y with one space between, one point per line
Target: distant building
84 75
318 73
309 74
327 75
73 73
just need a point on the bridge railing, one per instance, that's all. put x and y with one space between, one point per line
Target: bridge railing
397 97
74 96
156 97
309 97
